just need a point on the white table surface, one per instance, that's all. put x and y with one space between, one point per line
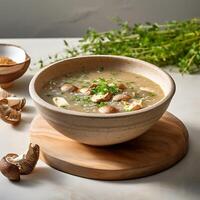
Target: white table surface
181 182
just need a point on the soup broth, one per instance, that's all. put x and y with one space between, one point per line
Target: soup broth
102 91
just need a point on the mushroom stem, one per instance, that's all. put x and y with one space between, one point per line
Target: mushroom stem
28 160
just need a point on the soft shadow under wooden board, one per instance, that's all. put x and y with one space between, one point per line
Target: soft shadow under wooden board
156 150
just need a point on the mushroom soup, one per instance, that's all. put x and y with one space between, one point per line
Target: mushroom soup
102 91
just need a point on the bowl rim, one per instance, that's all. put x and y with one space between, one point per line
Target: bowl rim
35 97
27 58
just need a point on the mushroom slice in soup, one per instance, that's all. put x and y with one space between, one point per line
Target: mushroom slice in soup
108 109
68 88
93 85
121 97
135 105
146 92
85 91
146 89
121 86
60 101
101 97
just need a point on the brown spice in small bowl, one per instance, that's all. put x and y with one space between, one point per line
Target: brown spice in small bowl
6 61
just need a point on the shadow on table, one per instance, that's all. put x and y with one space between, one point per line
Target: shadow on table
20 86
25 122
184 175
39 176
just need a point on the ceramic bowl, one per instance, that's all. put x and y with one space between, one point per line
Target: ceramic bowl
101 129
9 73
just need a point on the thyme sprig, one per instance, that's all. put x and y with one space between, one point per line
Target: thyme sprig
172 43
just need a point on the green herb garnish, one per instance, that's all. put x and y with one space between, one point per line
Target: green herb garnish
152 94
127 108
103 87
82 100
101 104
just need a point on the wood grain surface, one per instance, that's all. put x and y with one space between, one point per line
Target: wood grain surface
156 150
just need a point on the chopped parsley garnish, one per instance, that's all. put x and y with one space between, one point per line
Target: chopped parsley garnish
127 108
104 87
152 94
101 104
83 100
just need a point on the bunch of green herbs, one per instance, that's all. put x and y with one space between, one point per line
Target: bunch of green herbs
172 43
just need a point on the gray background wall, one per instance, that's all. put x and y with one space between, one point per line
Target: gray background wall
71 18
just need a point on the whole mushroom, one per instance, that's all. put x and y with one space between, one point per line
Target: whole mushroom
12 165
8 169
87 91
135 105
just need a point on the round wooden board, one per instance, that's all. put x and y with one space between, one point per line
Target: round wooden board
158 149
